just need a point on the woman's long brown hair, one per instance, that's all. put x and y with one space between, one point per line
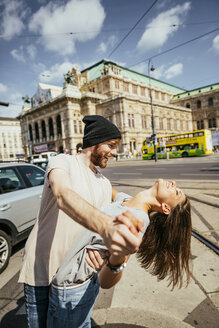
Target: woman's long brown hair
165 247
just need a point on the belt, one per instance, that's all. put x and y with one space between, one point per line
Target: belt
72 286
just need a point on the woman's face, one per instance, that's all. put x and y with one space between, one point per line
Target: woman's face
168 193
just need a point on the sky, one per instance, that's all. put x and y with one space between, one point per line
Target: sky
41 40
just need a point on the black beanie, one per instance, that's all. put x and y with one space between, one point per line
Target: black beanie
98 129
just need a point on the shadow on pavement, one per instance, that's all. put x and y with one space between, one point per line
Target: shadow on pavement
14 319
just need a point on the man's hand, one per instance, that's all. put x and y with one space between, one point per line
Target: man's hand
95 260
121 237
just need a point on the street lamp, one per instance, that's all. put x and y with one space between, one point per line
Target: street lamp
151 69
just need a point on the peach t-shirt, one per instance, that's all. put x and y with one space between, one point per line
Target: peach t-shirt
54 231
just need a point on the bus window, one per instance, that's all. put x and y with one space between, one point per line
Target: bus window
186 135
179 147
196 145
145 151
201 134
190 135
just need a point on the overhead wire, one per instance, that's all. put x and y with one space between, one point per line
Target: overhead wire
175 47
102 31
130 31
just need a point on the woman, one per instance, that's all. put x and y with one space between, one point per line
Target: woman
165 251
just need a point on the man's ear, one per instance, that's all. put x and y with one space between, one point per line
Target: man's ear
165 208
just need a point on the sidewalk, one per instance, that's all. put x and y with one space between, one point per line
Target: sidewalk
139 300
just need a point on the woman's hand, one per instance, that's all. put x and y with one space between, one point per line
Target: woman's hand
95 260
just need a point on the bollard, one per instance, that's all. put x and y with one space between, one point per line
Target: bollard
168 156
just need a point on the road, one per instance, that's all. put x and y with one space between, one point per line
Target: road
127 176
199 168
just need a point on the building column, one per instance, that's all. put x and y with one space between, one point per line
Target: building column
205 123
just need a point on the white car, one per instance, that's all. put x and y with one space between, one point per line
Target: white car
21 186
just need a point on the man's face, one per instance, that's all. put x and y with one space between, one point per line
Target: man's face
103 151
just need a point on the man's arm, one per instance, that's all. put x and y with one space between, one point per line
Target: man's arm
117 237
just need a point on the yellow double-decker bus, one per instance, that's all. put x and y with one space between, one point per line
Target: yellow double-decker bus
186 144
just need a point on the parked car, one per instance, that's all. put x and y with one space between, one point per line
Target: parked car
21 186
42 157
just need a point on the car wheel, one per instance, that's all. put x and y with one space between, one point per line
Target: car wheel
5 250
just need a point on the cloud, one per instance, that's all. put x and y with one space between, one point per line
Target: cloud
55 73
11 18
216 44
16 97
3 88
18 54
15 105
76 16
32 50
159 72
173 71
159 29
164 72
141 68
104 46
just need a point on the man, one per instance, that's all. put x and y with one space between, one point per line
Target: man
73 190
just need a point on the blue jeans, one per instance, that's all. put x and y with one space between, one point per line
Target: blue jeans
36 301
71 307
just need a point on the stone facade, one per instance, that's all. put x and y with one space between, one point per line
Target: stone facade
119 94
204 103
10 139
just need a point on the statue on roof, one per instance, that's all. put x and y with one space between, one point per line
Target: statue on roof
73 77
26 99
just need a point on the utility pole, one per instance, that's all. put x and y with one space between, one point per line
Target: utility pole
154 138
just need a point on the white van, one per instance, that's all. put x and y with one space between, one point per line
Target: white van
42 157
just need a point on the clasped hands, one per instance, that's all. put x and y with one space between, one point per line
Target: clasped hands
121 238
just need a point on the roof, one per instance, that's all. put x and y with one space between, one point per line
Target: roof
94 72
55 90
197 91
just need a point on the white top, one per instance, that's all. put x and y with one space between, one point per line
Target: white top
54 231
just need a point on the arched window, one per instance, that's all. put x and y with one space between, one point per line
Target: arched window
187 105
199 104
210 101
30 133
37 131
51 129
43 127
58 125
202 124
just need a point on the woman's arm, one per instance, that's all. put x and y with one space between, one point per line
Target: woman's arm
114 193
107 278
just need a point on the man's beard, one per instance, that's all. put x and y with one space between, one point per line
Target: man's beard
97 157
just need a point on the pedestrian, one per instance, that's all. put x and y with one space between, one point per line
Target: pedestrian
73 190
165 251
